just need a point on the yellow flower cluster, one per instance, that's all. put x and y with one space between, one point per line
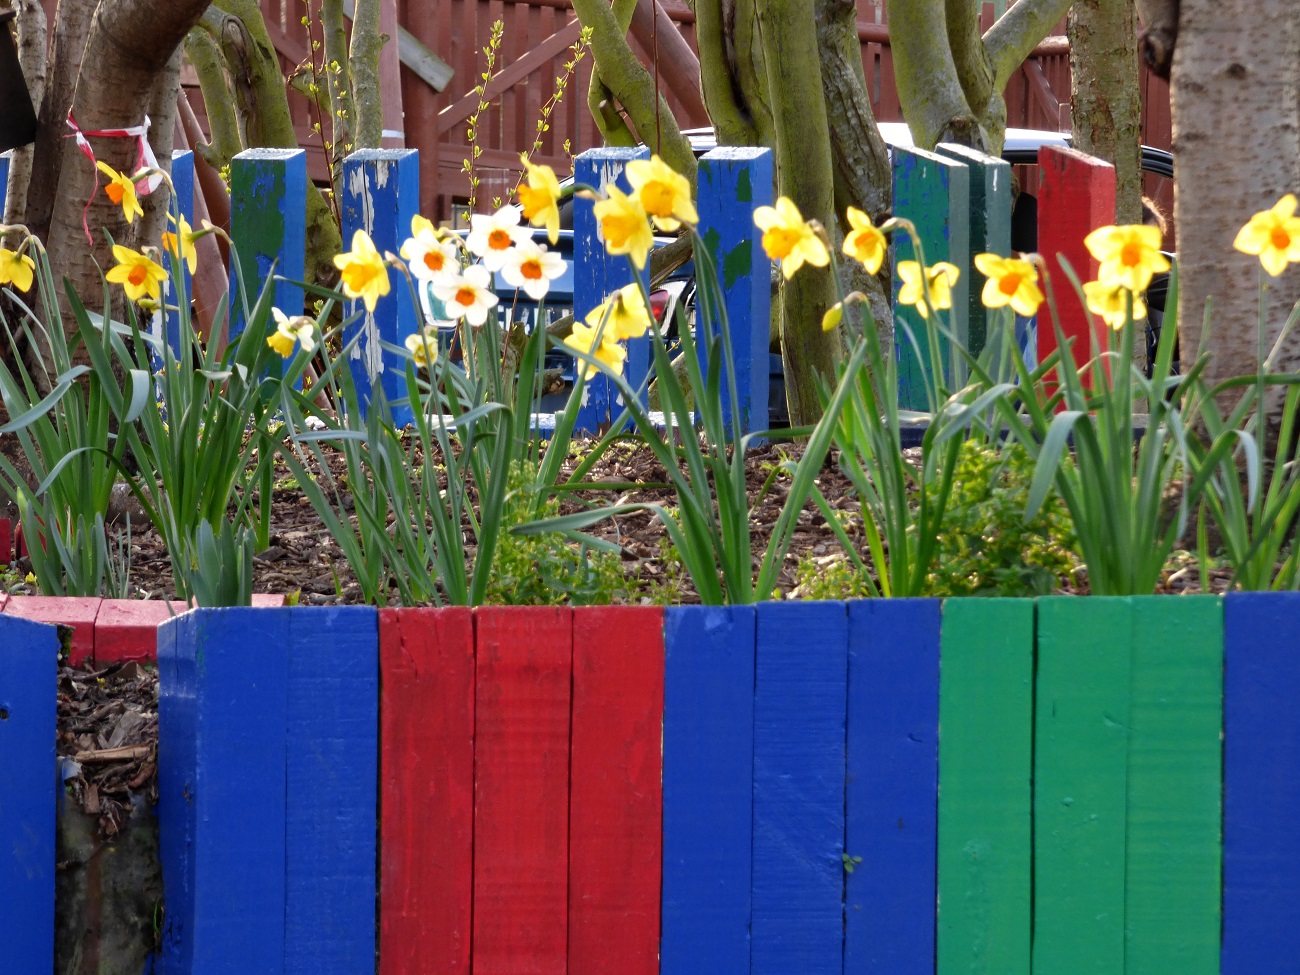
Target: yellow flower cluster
1128 257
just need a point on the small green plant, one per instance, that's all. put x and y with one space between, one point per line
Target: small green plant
831 577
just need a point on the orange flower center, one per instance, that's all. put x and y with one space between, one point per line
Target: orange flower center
465 296
657 198
358 276
138 275
780 241
1280 238
115 192
435 260
532 270
1130 255
498 240
1009 284
533 201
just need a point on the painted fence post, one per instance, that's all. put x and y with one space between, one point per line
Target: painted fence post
597 274
990 231
933 192
4 178
1075 197
732 182
183 181
268 224
29 658
381 193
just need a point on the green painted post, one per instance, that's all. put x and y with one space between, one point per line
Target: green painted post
990 229
1080 785
1172 885
986 711
934 194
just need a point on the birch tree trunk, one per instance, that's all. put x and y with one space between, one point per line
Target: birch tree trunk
31 58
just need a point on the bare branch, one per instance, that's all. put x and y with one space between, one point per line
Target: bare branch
1018 32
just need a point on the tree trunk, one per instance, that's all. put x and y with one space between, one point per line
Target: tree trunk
1106 102
1236 98
31 58
363 62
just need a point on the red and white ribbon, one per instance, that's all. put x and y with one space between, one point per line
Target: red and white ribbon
144 159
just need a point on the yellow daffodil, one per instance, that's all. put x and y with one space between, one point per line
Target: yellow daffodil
299 330
121 190
1011 281
624 314
530 266
1110 302
429 256
625 226
424 346
491 235
138 274
468 295
1129 255
788 238
16 269
864 243
597 343
938 280
834 315
1273 236
664 193
540 198
180 244
363 272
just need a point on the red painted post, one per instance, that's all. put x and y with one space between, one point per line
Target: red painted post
75 611
615 791
521 811
426 715
1076 196
127 629
6 542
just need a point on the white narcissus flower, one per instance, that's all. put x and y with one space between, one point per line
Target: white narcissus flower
529 265
468 295
491 235
299 328
429 255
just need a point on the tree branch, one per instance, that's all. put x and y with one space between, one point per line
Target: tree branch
1017 33
363 62
969 55
929 89
205 57
31 25
732 123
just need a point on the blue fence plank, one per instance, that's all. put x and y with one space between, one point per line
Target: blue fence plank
892 760
597 274
4 178
268 221
1261 792
733 181
183 181
332 780
934 193
29 661
221 765
708 789
381 193
799 705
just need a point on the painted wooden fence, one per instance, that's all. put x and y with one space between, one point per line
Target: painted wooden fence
897 786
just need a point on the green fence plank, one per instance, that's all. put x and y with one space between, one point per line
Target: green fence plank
1080 788
985 767
1172 884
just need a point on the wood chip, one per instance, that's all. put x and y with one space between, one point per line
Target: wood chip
126 753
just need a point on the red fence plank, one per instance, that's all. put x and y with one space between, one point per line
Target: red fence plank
427 771
127 629
6 542
521 814
615 792
76 612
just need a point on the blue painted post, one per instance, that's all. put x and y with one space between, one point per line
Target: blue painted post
222 708
596 275
332 777
933 193
29 660
892 759
183 180
707 789
268 223
381 193
4 178
733 181
799 709
1261 792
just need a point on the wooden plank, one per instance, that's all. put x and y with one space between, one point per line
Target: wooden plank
183 179
986 712
615 790
268 220
732 182
77 612
1075 197
990 230
892 761
1172 847
29 674
597 274
332 782
4 178
934 193
1080 784
222 711
708 789
1261 750
521 813
427 764
127 629
799 709
381 193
